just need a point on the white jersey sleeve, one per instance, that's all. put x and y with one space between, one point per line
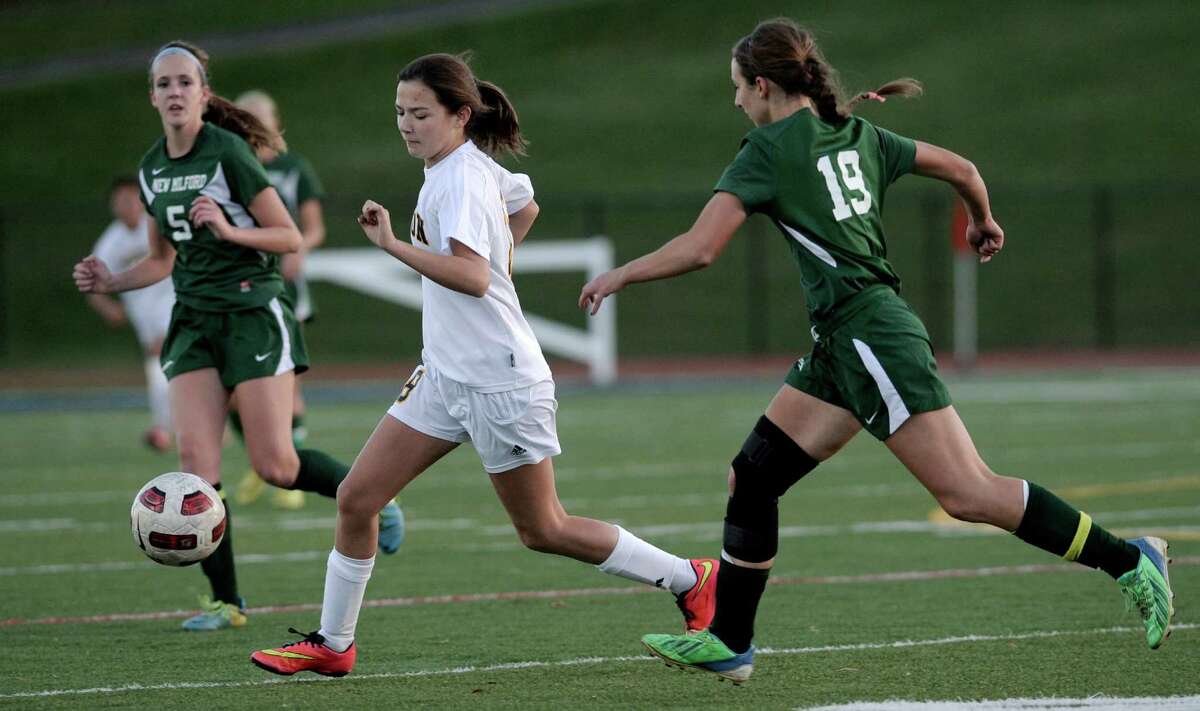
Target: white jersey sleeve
515 188
463 213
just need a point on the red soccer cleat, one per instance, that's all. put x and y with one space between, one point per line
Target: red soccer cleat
309 654
699 604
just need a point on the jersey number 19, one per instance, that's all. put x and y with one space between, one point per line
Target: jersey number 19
852 178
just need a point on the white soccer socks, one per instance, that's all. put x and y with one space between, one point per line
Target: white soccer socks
634 559
345 582
156 387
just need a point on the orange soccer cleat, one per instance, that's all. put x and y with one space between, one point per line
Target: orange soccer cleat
699 604
309 654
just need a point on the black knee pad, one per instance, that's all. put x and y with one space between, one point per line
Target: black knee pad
769 463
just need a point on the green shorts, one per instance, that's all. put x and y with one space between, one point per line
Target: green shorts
878 364
242 345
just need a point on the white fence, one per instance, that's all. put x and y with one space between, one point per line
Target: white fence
370 271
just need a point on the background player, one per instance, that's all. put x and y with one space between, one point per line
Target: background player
483 379
218 229
820 174
148 310
300 189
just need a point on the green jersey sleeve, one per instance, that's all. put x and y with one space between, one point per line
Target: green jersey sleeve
245 174
751 177
309 187
898 154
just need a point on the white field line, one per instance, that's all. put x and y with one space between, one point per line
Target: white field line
1101 703
897 576
711 468
291 523
715 470
582 661
706 531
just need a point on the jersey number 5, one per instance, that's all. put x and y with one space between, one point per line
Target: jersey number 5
183 230
852 177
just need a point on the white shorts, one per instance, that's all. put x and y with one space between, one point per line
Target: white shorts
149 311
508 428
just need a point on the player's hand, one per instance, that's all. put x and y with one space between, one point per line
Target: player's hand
376 224
594 291
92 276
206 212
986 238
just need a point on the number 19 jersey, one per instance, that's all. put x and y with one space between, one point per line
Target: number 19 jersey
210 274
823 185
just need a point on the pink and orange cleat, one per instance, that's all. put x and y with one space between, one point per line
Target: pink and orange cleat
309 654
699 604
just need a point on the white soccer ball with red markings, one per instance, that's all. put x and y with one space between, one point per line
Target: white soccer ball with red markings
177 519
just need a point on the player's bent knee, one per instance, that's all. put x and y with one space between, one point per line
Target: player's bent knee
966 506
195 458
358 505
769 463
278 468
545 535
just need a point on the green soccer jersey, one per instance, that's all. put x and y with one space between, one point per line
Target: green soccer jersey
823 185
296 181
210 274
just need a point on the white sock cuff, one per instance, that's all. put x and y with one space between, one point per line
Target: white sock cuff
1025 489
351 570
621 553
157 393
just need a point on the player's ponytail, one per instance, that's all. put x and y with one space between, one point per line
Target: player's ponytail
495 126
493 123
787 54
224 113
220 111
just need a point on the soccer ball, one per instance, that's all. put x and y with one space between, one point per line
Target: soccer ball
177 519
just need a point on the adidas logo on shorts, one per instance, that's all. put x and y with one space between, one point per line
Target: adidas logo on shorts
517 450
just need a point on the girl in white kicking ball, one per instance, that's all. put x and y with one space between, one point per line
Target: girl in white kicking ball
483 377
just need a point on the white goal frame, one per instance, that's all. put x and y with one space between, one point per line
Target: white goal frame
370 271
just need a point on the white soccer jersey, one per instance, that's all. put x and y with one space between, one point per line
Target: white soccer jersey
483 343
148 309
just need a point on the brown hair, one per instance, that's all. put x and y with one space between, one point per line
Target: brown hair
787 54
123 181
493 123
222 112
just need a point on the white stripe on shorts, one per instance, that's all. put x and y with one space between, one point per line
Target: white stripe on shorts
285 356
897 412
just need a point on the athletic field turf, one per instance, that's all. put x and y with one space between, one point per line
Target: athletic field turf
875 598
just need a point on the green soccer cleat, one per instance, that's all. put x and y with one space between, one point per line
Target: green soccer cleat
217 615
1147 588
391 528
702 651
291 499
250 488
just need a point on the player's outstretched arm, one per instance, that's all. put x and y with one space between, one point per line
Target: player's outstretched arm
312 224
312 235
92 276
695 249
109 309
983 234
